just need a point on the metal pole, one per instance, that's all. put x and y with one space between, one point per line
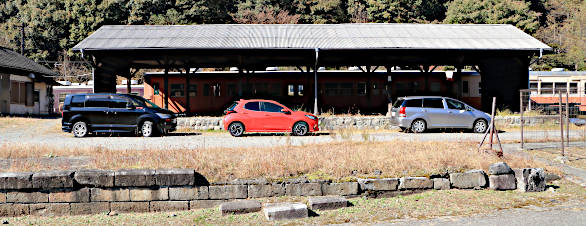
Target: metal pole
561 123
22 39
568 118
522 120
166 85
315 111
492 120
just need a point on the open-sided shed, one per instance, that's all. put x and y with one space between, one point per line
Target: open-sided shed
501 53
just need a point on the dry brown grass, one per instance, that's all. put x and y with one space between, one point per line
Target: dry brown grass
576 155
332 161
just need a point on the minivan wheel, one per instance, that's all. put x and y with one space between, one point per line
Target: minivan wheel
236 129
80 129
300 129
480 126
147 129
418 126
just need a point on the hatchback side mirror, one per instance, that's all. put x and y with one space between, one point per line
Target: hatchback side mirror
285 111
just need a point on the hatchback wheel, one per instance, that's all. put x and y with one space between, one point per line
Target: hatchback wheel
80 129
236 129
147 129
480 126
300 129
418 126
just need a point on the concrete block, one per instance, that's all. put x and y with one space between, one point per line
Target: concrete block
109 195
27 197
134 178
470 179
53 179
386 184
2 197
16 181
240 207
188 193
530 179
499 168
161 206
265 190
130 207
347 188
174 177
13 210
81 195
415 183
441 183
502 182
228 192
148 194
305 189
94 178
327 203
201 204
284 211
89 208
49 209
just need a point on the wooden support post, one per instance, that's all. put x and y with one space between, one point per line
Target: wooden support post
166 87
561 123
568 118
522 119
492 121
315 69
187 88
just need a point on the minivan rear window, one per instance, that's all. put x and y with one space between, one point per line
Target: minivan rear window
77 101
413 103
398 103
433 103
253 106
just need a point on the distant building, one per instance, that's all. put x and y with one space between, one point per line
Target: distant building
25 86
546 85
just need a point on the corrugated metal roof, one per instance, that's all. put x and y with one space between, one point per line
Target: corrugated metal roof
310 36
12 60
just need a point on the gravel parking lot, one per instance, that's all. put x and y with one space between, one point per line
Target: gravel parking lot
46 132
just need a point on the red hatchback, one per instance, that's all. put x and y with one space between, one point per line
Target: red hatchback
267 116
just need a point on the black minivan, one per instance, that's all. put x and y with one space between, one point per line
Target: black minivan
113 113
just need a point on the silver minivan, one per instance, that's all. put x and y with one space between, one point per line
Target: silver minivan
427 112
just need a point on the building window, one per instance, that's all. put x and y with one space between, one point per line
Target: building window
192 90
346 89
300 90
533 85
36 95
546 88
177 90
361 89
561 87
291 90
465 87
156 90
574 87
62 97
22 93
29 95
331 89
216 90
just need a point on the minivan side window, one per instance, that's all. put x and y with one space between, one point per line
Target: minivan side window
98 101
253 106
452 104
413 103
118 102
77 101
270 107
433 103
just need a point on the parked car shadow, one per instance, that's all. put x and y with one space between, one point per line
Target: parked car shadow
176 134
281 134
453 130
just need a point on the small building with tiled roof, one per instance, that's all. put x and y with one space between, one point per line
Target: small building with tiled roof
25 86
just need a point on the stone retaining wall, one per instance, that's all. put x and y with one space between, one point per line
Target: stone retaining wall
53 193
356 122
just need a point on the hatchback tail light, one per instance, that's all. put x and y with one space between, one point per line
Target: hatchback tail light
402 112
227 112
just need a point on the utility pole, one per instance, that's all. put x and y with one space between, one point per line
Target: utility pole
22 39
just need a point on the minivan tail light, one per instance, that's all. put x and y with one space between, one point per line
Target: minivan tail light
402 112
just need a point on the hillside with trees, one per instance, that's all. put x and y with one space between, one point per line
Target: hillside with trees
52 27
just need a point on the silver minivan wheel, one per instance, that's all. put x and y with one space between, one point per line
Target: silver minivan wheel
147 129
418 126
480 126
80 129
300 129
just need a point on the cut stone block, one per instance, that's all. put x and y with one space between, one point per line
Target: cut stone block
95 178
327 203
50 209
27 197
240 207
161 206
228 192
2 197
134 178
129 207
202 204
470 179
109 195
530 179
386 184
265 190
15 181
502 182
305 189
415 183
148 194
174 177
347 188
81 195
284 211
13 210
89 208
441 183
188 193
53 179
499 168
